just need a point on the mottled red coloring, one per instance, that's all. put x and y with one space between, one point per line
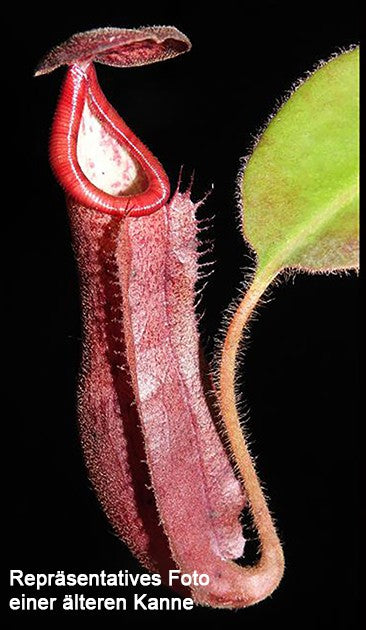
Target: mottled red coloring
150 440
117 47
151 186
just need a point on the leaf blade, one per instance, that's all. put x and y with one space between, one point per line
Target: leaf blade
300 186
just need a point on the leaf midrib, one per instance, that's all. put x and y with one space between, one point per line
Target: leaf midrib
306 229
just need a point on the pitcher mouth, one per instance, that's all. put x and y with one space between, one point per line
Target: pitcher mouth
97 158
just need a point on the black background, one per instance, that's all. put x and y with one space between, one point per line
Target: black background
300 377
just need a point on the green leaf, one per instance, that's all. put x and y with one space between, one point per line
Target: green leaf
300 185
